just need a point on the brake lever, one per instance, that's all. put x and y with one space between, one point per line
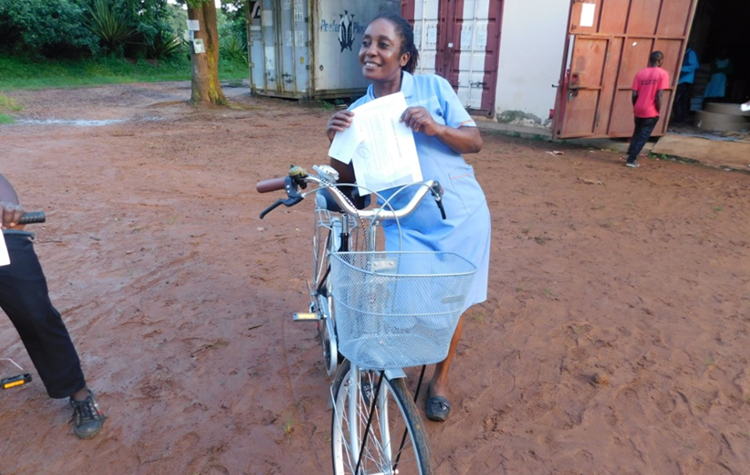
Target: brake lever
287 202
294 196
437 193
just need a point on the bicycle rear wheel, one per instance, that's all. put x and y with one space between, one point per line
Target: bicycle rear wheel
395 442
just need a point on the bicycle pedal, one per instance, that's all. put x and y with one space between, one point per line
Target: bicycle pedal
306 317
14 381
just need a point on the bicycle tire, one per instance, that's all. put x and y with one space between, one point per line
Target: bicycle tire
400 421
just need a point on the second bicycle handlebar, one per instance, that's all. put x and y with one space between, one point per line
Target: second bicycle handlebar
32 217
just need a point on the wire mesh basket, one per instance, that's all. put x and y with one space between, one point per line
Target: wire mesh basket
398 309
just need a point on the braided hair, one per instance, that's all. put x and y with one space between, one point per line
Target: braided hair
405 32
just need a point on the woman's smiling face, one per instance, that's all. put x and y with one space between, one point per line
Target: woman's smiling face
380 53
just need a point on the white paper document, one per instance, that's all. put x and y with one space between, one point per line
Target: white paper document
4 257
381 147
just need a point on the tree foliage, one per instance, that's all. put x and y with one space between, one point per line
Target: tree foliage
79 28
233 29
157 25
45 28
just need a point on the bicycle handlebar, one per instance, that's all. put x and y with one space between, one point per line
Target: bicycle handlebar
382 214
377 214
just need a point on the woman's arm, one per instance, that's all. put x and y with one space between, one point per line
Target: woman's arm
340 121
10 210
7 192
460 140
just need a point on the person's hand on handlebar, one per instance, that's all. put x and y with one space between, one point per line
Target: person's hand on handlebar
10 214
338 122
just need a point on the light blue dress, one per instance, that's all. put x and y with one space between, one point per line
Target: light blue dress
466 231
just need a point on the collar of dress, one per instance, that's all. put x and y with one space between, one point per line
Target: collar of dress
407 86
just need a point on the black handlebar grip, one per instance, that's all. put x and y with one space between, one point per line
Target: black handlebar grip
32 217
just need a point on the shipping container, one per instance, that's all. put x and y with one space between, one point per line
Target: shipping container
460 41
308 49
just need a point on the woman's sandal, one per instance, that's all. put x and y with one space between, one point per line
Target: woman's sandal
437 408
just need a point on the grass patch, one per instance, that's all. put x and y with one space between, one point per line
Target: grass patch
7 103
21 73
662 156
289 424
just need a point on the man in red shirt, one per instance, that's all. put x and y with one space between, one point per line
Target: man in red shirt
647 91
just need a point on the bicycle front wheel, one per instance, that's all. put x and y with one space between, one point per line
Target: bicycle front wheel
381 437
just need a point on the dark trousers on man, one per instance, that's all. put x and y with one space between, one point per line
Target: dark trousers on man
24 298
682 102
643 129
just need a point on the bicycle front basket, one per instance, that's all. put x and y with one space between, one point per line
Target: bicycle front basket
398 309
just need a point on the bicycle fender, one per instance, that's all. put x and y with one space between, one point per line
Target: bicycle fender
392 374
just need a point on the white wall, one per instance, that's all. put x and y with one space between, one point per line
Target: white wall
531 50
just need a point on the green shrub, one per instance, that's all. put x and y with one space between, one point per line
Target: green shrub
232 49
232 34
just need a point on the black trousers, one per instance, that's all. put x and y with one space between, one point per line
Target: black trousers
681 105
25 299
643 129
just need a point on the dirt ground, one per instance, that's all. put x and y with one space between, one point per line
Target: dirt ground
614 340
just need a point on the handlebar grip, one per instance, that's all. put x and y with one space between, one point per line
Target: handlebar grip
274 184
32 217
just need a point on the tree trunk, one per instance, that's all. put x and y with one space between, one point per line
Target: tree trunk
206 89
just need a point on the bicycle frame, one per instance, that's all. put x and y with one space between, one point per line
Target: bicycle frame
333 233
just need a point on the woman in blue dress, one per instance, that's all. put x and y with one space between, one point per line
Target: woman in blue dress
443 130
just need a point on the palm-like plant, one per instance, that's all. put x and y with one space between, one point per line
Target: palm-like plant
110 26
234 49
165 45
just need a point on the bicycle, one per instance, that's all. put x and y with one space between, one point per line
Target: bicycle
22 378
377 313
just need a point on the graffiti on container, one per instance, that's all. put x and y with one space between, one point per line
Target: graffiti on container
298 13
255 10
345 27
